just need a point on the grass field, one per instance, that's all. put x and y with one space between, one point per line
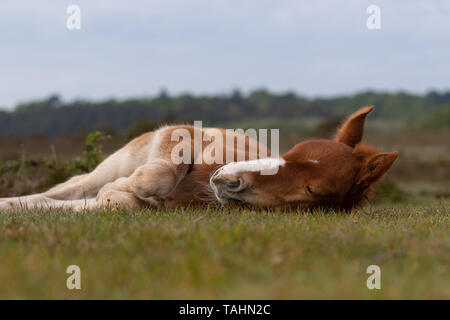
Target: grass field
215 253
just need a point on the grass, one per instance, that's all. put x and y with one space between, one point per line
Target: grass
214 253
211 253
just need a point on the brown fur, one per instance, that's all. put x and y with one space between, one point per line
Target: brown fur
316 173
320 173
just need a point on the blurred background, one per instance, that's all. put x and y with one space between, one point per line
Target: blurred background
70 97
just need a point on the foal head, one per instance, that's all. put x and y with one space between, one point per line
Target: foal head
316 173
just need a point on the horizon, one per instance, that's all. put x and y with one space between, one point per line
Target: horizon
221 94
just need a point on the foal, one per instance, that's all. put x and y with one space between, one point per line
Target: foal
334 173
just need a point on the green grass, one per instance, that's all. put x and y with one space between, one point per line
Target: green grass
212 253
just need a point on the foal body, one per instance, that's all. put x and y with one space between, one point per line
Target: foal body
142 173
328 173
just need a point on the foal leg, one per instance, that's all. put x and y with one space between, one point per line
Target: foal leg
119 199
47 203
156 178
120 164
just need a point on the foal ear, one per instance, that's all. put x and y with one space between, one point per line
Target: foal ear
374 167
351 131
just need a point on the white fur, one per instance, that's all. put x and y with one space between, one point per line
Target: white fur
313 161
155 145
267 164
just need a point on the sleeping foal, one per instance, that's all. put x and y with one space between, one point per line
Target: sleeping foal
334 173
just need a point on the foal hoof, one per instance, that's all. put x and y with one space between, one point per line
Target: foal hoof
118 199
7 205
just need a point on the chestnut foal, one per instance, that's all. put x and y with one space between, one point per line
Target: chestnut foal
334 173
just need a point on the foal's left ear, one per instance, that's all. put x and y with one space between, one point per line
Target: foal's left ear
374 167
351 131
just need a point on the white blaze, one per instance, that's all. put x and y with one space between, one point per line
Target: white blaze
267 166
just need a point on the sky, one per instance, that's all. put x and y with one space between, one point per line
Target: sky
136 48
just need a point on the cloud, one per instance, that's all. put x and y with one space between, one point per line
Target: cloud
135 48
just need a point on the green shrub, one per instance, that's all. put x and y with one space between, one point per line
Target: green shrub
22 176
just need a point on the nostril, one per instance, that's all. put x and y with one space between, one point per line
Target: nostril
224 183
234 185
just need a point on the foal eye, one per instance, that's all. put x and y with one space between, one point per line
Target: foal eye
308 189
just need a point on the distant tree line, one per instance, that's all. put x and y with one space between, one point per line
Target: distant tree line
52 117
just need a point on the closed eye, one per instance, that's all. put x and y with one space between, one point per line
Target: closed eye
317 195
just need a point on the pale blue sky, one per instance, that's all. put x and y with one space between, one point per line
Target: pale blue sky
134 48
